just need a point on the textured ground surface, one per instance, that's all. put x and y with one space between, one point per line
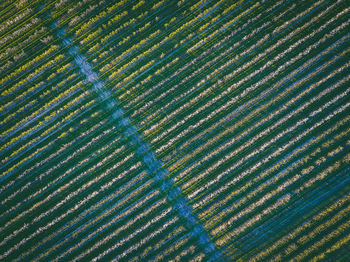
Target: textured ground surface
174 130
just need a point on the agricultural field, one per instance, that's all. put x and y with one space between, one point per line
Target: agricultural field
174 130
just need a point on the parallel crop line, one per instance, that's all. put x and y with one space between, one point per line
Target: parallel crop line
182 174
